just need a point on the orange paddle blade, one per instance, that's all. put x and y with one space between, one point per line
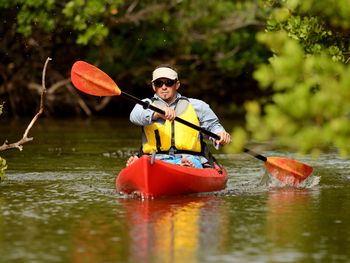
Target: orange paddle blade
288 171
91 80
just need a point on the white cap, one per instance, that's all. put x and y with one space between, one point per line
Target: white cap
164 72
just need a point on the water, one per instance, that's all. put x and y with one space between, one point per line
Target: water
58 204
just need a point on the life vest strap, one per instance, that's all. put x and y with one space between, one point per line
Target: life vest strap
158 141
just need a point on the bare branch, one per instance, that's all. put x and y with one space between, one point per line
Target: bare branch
132 6
228 25
56 86
103 103
80 101
141 15
25 138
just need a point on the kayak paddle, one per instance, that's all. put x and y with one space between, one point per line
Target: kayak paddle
91 80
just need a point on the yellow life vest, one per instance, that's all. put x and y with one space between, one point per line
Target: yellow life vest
161 135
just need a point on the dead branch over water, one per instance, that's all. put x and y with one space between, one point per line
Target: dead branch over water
25 138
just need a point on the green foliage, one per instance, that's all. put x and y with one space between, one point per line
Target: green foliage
86 18
211 41
221 32
240 140
311 33
334 12
3 167
35 13
310 106
218 33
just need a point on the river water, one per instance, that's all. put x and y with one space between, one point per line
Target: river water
58 204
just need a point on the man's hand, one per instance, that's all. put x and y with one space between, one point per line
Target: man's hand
169 114
225 138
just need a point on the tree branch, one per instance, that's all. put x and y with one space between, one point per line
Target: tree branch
25 138
141 15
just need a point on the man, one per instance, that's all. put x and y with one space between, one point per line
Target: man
170 140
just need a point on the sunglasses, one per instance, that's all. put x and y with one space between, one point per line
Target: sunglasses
168 83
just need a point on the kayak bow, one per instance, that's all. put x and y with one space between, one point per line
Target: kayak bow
166 179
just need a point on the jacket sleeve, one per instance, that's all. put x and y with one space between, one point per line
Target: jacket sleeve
140 116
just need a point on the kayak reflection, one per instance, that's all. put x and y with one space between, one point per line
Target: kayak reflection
172 230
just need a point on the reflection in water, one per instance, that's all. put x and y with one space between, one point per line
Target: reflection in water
90 243
169 230
288 216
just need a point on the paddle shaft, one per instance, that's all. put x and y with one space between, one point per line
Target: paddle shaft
147 105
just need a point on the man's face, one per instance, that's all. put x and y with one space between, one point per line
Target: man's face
166 89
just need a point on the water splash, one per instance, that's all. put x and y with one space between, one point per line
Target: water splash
270 181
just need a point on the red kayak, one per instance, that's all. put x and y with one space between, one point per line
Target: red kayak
165 179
